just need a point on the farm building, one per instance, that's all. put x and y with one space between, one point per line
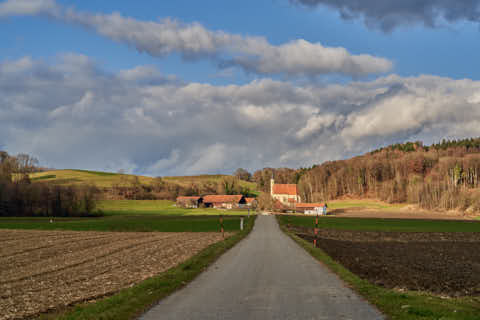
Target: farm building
251 202
285 193
311 208
225 201
189 202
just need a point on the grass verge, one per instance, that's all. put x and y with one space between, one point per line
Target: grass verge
131 302
394 304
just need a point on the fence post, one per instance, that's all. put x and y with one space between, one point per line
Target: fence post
221 226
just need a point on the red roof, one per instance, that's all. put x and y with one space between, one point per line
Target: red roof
249 199
290 189
223 198
188 198
309 205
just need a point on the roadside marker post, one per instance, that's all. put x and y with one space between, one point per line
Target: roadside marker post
241 223
221 226
316 232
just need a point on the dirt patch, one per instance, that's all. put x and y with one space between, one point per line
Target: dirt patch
45 270
442 263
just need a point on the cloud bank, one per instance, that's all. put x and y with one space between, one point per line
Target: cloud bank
72 113
193 41
390 14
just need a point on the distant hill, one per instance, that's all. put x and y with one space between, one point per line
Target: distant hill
164 188
441 176
76 177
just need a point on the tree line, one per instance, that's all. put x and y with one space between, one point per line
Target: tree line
130 188
443 176
20 197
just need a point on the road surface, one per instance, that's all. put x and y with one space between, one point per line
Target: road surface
265 276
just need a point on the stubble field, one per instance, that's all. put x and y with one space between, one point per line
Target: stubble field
45 270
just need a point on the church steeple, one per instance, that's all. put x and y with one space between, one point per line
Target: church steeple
272 182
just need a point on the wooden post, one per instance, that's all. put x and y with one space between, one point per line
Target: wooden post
221 226
316 232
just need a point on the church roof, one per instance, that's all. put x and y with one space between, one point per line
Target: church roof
290 189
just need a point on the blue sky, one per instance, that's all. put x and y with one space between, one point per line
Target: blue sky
450 50
389 81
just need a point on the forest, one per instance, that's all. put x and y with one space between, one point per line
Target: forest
20 197
440 176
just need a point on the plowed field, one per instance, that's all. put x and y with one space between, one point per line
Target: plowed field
44 270
444 263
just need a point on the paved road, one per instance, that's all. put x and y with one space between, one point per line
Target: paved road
265 276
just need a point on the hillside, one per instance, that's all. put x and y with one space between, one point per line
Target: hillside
441 176
142 187
78 177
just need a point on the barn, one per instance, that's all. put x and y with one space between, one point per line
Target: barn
189 202
225 201
311 208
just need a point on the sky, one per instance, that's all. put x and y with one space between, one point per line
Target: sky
188 87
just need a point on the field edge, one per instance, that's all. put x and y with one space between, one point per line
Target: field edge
393 304
130 303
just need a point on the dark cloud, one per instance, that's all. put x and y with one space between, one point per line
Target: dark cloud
390 14
74 114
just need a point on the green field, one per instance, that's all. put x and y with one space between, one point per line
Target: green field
376 224
157 207
142 223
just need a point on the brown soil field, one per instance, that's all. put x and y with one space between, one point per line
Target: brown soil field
446 264
46 270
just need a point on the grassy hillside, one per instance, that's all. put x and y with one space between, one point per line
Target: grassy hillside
107 179
77 177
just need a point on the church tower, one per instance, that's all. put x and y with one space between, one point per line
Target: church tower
272 182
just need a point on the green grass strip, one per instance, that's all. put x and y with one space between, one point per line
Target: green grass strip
124 223
378 224
131 302
395 305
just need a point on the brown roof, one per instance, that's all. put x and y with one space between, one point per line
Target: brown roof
195 198
223 198
249 199
309 205
290 189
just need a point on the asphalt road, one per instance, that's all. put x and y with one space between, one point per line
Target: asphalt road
265 276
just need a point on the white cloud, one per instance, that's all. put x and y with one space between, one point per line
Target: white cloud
28 7
194 41
74 114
